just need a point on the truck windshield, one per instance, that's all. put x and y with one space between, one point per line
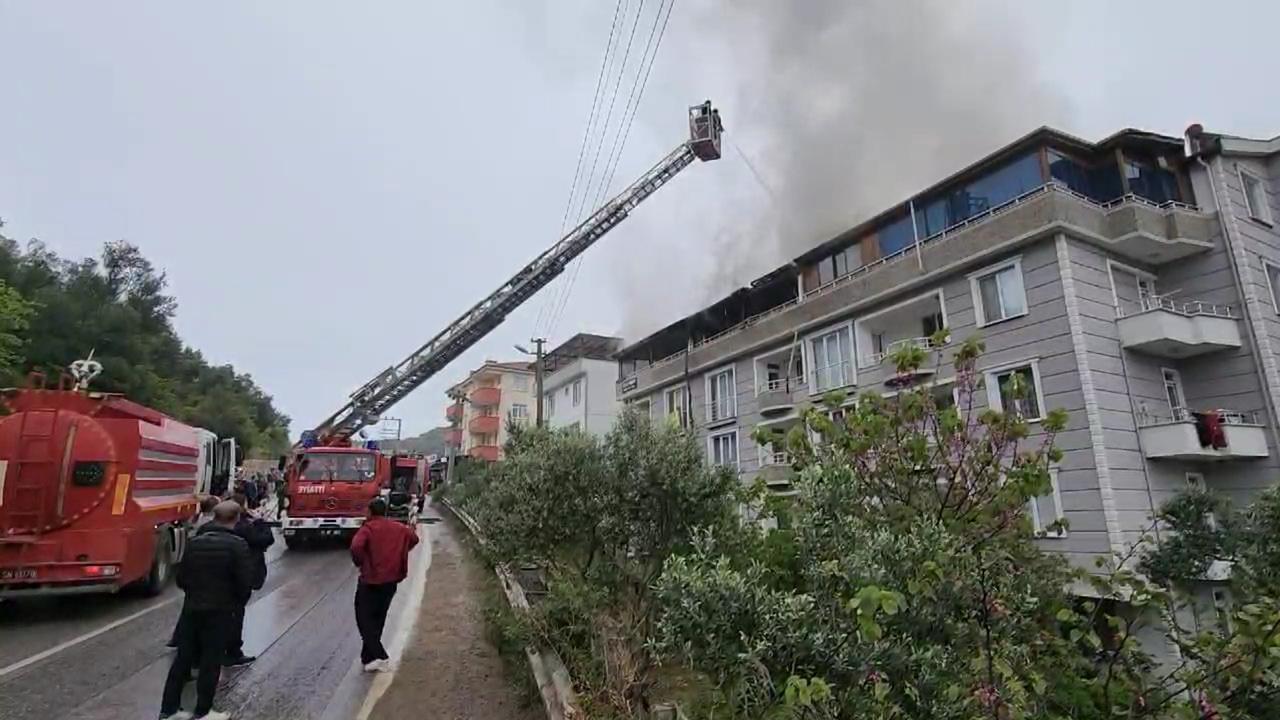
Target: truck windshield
335 467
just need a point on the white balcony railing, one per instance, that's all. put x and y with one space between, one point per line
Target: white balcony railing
770 459
722 409
925 343
1186 308
783 384
1182 414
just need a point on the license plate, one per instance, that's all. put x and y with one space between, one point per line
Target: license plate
17 573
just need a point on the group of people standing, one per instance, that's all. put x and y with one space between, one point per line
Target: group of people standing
225 563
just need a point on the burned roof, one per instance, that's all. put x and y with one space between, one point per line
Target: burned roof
581 346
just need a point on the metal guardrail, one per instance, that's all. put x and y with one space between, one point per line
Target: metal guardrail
784 384
925 343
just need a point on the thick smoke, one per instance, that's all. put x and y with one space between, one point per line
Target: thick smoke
844 108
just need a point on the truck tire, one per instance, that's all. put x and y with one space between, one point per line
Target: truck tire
161 571
295 541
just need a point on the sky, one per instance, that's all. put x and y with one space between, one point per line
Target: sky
328 184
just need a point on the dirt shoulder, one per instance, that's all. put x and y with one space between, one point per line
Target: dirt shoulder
450 670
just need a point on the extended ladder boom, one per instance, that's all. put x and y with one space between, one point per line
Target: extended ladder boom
378 395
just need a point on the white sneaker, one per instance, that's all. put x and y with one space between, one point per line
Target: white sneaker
377 666
180 715
215 715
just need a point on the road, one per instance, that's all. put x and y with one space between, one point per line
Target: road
99 658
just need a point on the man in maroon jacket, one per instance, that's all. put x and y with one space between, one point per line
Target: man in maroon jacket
381 550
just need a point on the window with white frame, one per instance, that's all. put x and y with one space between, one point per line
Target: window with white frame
1027 402
520 383
1173 392
832 365
1255 197
519 411
722 402
550 402
1195 483
577 393
1046 510
676 402
723 449
998 293
1273 284
643 406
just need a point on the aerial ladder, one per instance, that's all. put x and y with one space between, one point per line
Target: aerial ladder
367 404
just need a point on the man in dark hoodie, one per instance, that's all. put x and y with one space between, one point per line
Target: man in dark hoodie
216 576
257 533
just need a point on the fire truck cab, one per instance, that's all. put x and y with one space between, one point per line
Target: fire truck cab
329 489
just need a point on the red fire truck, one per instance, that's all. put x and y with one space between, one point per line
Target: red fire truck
329 490
97 493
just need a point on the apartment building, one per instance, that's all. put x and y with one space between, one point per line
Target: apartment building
1134 281
482 404
578 384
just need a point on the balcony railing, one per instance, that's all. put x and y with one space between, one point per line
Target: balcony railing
769 459
1053 186
786 384
924 343
721 410
1187 308
1182 414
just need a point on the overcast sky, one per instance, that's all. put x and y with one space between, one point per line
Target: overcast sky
327 184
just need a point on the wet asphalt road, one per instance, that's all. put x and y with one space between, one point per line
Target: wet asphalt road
300 625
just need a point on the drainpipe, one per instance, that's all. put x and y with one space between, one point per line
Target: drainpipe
1245 310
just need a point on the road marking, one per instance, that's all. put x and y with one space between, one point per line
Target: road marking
409 621
15 667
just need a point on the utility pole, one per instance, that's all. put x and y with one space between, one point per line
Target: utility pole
537 378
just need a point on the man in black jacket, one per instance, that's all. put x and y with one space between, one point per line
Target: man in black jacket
257 534
217 575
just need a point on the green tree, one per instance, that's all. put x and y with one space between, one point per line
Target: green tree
15 317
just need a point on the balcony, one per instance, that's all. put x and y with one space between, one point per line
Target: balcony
453 413
484 424
1181 436
778 396
485 396
488 453
1170 329
775 469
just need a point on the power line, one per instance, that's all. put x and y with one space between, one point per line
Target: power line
637 93
543 313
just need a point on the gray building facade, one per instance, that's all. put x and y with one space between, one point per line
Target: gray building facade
1133 280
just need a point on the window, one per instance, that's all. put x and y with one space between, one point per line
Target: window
832 356
1173 392
1151 181
520 383
1195 484
826 271
1222 607
676 400
1000 395
1255 197
1273 283
724 449
1046 510
935 214
577 393
722 402
519 411
551 403
896 236
998 293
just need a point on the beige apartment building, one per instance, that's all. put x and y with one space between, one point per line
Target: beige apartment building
491 395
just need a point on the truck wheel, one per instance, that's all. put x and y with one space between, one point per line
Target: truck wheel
161 566
295 541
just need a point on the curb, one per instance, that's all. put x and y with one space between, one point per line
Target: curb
549 671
